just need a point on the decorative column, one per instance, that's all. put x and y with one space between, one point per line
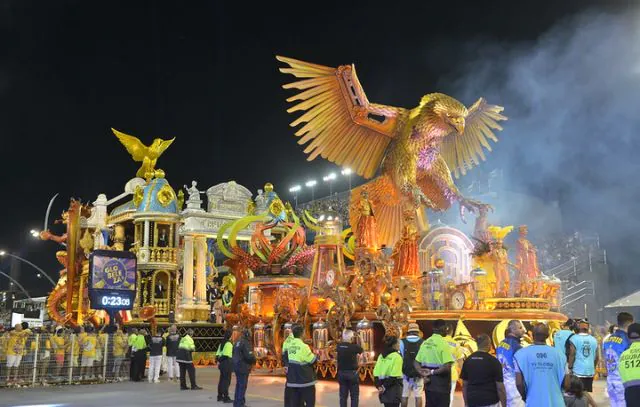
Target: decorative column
118 238
201 270
146 234
187 271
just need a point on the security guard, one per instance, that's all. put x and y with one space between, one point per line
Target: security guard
285 348
612 348
387 373
629 365
301 375
133 369
139 355
225 364
434 361
243 360
184 357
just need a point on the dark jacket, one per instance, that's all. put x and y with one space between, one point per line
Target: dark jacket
243 357
155 345
172 341
185 349
392 383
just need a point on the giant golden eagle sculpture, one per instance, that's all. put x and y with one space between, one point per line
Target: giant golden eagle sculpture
141 153
413 151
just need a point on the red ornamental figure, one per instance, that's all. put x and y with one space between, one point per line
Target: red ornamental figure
405 253
366 233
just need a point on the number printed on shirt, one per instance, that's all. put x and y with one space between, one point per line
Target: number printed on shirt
541 355
628 364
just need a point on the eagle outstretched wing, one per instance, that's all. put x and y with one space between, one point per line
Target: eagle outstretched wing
341 125
463 152
164 145
133 145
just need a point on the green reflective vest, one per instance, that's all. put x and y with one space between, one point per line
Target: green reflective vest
226 350
629 366
388 366
187 343
287 342
139 342
299 352
434 352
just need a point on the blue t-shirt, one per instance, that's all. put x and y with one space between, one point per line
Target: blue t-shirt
586 348
612 348
560 339
543 368
505 351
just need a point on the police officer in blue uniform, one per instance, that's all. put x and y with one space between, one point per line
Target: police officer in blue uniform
243 361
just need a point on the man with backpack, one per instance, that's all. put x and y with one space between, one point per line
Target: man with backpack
412 381
560 338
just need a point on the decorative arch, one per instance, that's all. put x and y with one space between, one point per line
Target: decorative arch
451 245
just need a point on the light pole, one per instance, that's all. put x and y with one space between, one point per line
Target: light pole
3 253
16 283
311 184
294 190
347 173
330 178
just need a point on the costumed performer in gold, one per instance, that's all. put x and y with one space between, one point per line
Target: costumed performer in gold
366 232
500 258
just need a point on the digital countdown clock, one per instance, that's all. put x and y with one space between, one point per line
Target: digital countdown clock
112 279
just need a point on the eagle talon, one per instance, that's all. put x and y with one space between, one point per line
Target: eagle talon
473 206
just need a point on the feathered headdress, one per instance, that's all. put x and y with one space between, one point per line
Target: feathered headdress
499 233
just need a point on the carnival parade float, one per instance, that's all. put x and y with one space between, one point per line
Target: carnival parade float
375 272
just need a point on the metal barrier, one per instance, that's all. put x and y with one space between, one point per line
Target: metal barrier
28 359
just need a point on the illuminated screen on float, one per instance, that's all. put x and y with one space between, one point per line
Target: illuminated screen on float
112 279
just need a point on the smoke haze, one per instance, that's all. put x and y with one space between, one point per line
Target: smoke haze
572 98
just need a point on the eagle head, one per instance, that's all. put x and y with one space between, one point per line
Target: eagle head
449 112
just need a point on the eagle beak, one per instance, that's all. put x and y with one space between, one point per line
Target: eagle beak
459 126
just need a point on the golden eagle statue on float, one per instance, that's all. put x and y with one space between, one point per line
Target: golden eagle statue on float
413 151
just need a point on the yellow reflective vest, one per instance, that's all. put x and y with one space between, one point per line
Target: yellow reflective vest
388 366
629 366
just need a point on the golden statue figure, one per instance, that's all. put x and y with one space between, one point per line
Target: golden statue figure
405 252
526 262
416 150
366 233
141 153
500 258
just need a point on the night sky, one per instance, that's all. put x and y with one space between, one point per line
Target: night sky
205 73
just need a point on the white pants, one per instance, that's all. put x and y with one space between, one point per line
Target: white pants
514 399
13 360
453 389
154 368
172 367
